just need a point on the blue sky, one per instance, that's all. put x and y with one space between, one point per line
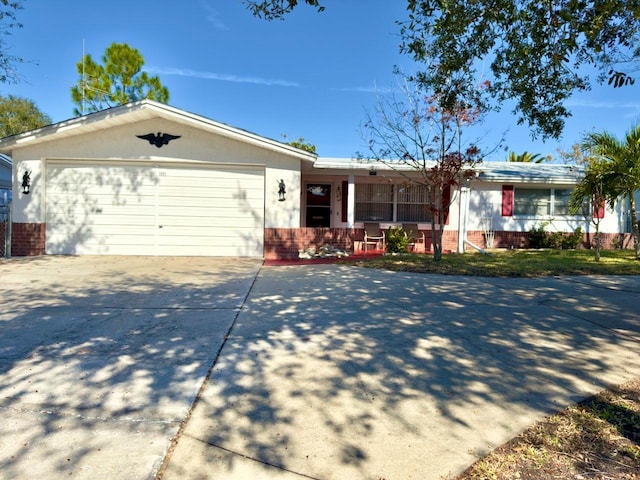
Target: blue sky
312 75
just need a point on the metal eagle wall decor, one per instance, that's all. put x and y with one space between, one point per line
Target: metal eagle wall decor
158 139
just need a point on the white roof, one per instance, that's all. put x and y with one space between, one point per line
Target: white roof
363 164
516 172
519 172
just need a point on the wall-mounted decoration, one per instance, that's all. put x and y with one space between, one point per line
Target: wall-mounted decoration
282 190
318 190
26 182
158 139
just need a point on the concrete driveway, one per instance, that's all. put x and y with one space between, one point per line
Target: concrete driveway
335 372
328 371
102 357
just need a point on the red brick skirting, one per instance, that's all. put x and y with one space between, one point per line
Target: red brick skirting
27 239
609 241
3 229
286 243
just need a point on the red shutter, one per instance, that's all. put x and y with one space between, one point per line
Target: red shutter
446 202
344 205
507 200
598 207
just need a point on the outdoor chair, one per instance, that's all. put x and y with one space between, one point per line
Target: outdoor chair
373 235
414 235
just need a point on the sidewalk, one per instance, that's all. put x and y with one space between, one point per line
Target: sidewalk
336 372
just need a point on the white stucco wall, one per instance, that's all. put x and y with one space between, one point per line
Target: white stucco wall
195 145
485 211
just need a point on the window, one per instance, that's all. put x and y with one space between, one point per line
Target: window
541 202
561 201
391 203
532 202
374 202
412 205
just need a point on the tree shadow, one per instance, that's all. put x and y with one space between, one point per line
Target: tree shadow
102 357
338 372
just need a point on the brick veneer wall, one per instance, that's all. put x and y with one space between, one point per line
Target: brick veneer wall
3 230
27 239
521 240
286 243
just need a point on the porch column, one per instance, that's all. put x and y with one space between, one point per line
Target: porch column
351 202
462 218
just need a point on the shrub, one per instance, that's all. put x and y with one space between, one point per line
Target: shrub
572 240
538 237
397 241
555 240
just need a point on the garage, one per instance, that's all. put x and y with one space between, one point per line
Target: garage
146 178
140 208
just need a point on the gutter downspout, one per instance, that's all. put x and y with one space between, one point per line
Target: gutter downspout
480 249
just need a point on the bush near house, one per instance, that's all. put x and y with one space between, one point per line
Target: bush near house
397 241
540 238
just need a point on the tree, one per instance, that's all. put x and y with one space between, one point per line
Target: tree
18 115
302 144
8 21
118 80
588 196
526 157
536 50
277 9
622 170
419 133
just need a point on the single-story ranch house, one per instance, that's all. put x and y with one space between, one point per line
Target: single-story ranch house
149 179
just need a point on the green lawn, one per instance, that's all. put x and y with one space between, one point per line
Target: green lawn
513 263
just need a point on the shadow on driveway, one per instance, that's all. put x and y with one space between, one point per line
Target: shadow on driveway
102 357
335 372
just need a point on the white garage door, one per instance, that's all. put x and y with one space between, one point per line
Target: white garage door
146 210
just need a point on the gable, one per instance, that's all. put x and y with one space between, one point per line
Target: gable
89 129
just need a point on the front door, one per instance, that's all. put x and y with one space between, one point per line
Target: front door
318 205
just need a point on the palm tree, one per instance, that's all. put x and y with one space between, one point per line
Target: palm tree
526 157
588 197
623 166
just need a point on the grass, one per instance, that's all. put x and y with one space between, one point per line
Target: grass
512 263
597 439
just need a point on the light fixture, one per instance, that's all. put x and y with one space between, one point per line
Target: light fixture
26 183
282 190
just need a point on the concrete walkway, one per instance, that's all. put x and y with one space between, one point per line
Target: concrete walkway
316 371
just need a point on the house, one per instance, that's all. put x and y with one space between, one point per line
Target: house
5 180
502 202
150 179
